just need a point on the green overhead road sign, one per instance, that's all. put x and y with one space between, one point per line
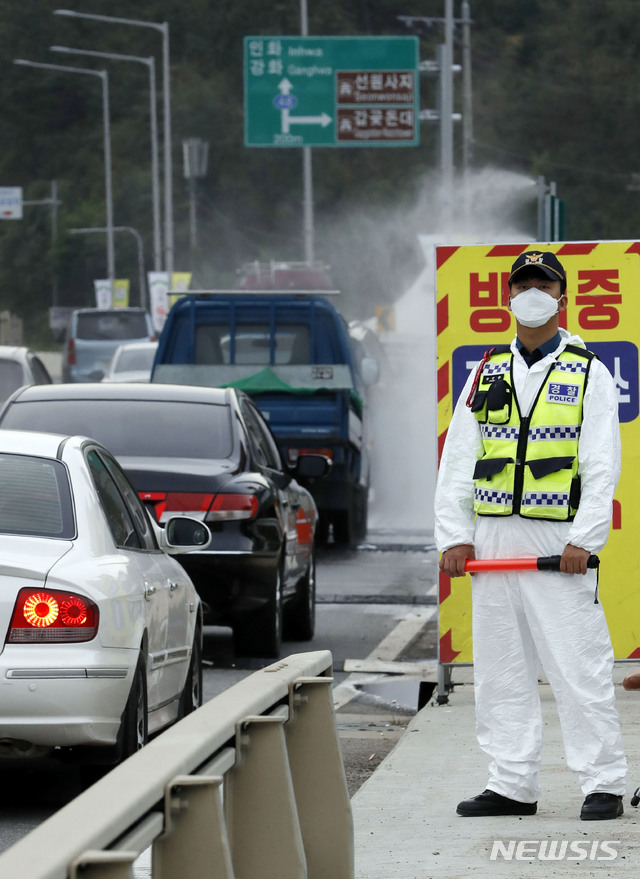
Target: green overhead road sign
331 91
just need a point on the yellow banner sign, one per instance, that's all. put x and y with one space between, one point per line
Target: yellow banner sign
180 282
603 280
121 293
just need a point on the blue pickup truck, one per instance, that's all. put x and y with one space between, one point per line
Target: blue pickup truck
291 351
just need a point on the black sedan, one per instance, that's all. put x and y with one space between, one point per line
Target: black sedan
205 453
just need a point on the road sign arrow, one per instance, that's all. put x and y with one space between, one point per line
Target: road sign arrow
324 119
287 120
285 86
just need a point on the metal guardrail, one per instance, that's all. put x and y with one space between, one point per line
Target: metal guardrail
250 786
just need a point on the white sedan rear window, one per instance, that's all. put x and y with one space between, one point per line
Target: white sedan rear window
34 497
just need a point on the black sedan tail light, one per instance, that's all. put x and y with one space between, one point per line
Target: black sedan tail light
208 507
232 506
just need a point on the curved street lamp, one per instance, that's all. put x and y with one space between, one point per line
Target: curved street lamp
155 186
163 27
103 75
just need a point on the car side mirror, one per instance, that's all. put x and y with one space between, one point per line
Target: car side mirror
183 534
312 466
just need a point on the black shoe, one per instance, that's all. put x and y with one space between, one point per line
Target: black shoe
601 807
491 803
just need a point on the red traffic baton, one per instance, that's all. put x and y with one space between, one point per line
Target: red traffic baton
543 563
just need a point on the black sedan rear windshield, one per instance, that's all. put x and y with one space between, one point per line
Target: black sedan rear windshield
34 497
132 428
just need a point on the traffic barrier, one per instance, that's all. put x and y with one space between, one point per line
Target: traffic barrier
250 785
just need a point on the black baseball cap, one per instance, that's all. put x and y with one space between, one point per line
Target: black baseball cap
545 260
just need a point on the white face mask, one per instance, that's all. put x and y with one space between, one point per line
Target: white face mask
533 307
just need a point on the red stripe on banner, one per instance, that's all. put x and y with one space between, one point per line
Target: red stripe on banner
447 653
441 440
635 654
507 250
443 381
442 315
443 253
635 248
616 519
577 249
444 587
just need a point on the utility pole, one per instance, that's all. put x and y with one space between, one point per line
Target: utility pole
444 68
467 100
445 58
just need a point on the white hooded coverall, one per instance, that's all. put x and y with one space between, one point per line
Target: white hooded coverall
521 619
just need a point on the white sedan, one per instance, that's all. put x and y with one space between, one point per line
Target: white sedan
131 362
20 366
101 629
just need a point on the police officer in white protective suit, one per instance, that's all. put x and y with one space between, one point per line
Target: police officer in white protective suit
529 469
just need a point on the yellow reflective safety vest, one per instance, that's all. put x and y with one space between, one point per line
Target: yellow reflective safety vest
529 464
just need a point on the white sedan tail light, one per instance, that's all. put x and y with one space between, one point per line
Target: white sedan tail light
52 615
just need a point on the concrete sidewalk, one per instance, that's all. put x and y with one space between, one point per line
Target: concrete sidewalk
405 819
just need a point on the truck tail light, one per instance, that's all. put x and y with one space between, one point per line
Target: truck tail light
71 352
294 454
52 615
232 506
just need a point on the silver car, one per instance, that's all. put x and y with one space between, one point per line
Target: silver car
93 334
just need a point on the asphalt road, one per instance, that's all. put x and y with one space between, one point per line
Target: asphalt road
375 603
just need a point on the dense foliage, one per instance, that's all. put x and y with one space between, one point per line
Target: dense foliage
555 93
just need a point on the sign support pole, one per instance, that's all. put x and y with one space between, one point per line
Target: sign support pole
308 205
307 169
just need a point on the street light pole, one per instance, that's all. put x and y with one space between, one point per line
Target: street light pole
163 27
155 180
102 74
